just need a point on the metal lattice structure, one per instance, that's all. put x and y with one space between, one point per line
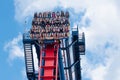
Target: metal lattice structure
50 34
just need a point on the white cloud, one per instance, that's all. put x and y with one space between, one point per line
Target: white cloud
28 7
102 40
25 9
35 58
14 48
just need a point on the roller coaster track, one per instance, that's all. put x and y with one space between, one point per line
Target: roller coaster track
48 68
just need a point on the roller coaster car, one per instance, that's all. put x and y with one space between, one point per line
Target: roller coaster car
50 25
81 43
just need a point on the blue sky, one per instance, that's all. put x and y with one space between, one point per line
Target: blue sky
10 28
99 19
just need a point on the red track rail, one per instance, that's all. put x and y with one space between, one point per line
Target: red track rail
48 69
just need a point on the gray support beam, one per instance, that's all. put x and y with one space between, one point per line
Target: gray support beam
68 59
76 55
61 68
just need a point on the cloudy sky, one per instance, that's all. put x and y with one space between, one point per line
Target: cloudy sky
99 19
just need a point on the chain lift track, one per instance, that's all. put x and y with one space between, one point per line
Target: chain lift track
48 69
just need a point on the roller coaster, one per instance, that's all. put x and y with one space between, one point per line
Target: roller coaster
58 52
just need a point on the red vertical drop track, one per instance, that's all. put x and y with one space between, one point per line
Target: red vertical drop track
48 69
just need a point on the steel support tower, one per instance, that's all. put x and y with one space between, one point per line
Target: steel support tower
58 54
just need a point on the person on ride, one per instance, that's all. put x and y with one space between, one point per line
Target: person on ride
49 15
44 15
67 14
35 15
40 15
58 14
31 33
53 15
62 14
43 23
